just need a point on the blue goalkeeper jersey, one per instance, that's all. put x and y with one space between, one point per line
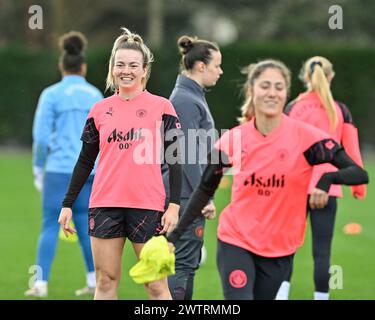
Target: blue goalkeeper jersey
58 123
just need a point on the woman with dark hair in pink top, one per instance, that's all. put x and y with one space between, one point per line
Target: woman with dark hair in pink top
317 107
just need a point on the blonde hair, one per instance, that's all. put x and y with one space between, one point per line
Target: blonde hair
253 71
315 73
129 40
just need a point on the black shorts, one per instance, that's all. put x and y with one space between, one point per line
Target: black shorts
138 225
247 276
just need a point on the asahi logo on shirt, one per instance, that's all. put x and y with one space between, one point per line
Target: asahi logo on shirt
125 138
265 184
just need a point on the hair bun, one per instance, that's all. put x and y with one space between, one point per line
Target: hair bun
185 44
130 36
73 42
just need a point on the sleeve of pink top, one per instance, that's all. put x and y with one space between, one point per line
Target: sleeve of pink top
350 143
225 144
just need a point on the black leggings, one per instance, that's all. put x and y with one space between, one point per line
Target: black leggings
247 276
322 226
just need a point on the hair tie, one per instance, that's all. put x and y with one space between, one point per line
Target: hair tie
313 64
189 44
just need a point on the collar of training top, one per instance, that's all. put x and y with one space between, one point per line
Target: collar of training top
184 81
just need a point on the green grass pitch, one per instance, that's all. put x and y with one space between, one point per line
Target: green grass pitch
20 222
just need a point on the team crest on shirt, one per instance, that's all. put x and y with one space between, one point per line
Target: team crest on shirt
141 113
282 155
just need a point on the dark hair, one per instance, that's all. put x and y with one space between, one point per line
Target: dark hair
193 49
72 45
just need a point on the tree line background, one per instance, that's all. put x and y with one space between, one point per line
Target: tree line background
246 30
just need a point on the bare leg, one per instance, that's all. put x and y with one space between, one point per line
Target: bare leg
157 290
107 255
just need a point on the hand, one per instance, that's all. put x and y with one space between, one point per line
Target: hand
209 211
64 221
357 196
38 178
170 218
318 199
171 247
359 192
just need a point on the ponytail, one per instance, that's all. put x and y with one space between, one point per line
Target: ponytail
315 74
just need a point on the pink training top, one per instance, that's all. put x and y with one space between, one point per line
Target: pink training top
309 108
271 175
130 135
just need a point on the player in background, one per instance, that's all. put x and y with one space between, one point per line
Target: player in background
200 69
129 128
62 111
272 157
317 107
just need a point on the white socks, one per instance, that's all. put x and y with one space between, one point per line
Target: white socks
41 284
41 288
321 295
283 293
90 279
